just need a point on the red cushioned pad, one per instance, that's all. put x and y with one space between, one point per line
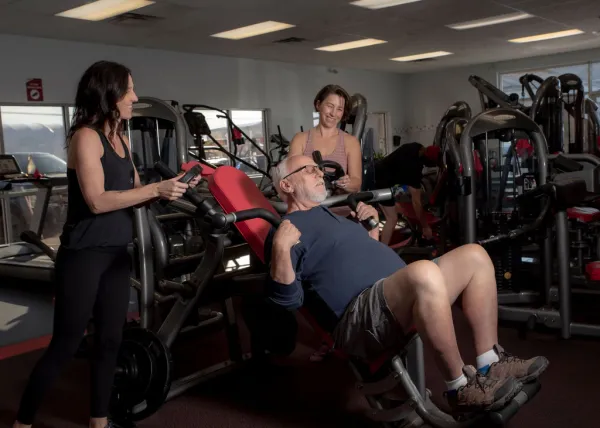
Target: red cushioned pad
235 191
583 214
592 271
207 171
406 208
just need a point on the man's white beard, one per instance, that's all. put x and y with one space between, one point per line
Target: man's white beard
317 194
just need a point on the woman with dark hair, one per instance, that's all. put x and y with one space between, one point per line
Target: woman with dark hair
333 104
92 265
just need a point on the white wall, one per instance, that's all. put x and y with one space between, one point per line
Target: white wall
287 89
428 95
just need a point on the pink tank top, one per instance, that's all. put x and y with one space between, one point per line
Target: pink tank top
338 155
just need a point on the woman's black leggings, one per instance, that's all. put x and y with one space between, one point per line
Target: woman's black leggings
91 281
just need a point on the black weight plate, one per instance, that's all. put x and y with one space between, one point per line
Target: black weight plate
143 377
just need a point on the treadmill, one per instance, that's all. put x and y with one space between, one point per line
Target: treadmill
19 259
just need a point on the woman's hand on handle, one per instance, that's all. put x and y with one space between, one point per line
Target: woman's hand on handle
172 189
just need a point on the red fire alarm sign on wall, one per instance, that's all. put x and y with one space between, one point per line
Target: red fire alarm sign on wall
35 90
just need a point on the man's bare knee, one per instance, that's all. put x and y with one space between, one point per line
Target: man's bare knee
418 280
427 280
478 254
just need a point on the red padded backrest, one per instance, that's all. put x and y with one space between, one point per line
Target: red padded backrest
235 191
206 170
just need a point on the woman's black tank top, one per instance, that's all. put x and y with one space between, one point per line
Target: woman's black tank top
83 228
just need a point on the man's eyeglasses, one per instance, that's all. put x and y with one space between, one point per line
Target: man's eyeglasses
310 169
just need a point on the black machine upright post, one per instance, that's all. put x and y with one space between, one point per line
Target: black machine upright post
145 260
564 286
546 265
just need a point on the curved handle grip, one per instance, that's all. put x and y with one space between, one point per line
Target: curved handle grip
353 203
167 173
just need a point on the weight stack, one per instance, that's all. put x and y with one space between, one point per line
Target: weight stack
506 258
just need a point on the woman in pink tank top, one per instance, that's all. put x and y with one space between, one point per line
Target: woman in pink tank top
333 104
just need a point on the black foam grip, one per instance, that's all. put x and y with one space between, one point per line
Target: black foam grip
353 204
317 157
164 170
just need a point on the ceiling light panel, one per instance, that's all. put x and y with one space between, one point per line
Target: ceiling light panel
380 4
417 57
547 36
351 45
253 30
492 20
104 9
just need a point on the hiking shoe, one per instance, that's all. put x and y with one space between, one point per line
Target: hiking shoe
482 393
524 371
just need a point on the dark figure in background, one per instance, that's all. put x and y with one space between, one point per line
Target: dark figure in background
404 167
92 264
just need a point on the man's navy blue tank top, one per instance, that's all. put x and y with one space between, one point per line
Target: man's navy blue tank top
83 228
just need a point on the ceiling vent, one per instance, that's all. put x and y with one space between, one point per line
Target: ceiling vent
130 19
291 40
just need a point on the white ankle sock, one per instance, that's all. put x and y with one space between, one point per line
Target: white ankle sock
487 359
456 383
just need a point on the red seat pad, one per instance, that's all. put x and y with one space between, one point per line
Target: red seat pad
206 170
235 191
583 214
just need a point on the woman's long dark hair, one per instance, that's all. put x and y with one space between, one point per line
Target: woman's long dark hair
101 87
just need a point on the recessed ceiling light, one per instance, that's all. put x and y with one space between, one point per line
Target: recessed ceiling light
253 30
351 45
546 36
493 20
380 4
103 9
421 56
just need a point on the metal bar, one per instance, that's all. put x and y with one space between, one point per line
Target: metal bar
39 211
2 146
146 265
416 365
6 212
546 264
181 310
564 286
180 386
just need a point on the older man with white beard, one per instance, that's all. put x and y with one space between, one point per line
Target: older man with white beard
375 298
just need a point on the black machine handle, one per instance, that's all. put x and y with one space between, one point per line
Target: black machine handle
217 219
337 172
353 201
221 220
32 238
206 208
548 190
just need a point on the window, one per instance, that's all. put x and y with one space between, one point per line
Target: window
35 135
29 129
70 114
218 130
509 83
252 123
315 118
595 78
